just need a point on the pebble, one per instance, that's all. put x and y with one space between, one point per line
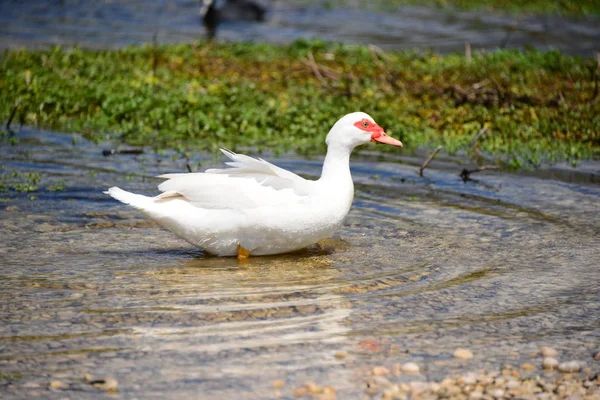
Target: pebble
549 363
328 393
278 384
570 366
410 368
380 371
464 354
548 351
597 356
340 354
393 393
417 388
469 379
381 381
312 388
499 384
512 384
301 391
106 384
528 367
57 385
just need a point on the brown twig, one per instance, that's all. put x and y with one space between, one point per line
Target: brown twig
13 113
481 132
330 73
112 152
468 53
466 173
315 68
479 85
429 159
187 165
377 52
154 55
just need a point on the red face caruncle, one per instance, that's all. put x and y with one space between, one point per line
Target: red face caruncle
377 133
371 127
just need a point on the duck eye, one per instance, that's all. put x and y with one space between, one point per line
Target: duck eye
365 124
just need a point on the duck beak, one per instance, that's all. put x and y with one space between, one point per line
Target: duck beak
382 137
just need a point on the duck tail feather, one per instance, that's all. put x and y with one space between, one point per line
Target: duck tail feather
135 200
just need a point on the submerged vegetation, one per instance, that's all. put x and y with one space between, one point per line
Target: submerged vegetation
524 107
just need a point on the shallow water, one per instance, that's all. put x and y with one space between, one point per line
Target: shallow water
108 24
421 267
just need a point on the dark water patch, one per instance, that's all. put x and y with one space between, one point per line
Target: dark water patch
37 24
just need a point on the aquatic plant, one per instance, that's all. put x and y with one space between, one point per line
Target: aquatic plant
523 107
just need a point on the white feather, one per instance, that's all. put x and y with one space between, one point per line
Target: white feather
254 203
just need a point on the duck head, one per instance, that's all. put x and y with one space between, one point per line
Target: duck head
358 128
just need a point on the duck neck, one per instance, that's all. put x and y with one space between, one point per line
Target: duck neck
336 167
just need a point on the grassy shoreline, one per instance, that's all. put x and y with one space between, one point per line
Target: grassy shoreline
570 8
536 107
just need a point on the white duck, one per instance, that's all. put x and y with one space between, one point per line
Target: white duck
256 207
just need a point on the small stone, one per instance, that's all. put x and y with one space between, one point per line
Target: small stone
380 381
410 368
106 384
547 351
57 385
512 384
11 208
528 367
497 393
340 354
328 393
475 395
499 381
393 393
597 356
88 377
301 391
469 379
464 354
278 384
380 371
313 388
417 388
570 366
397 369
549 363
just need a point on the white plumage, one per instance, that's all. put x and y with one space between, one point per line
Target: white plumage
256 205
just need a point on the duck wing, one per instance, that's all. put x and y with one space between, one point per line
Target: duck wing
249 183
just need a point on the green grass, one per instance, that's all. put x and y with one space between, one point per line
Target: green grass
538 107
567 7
564 7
